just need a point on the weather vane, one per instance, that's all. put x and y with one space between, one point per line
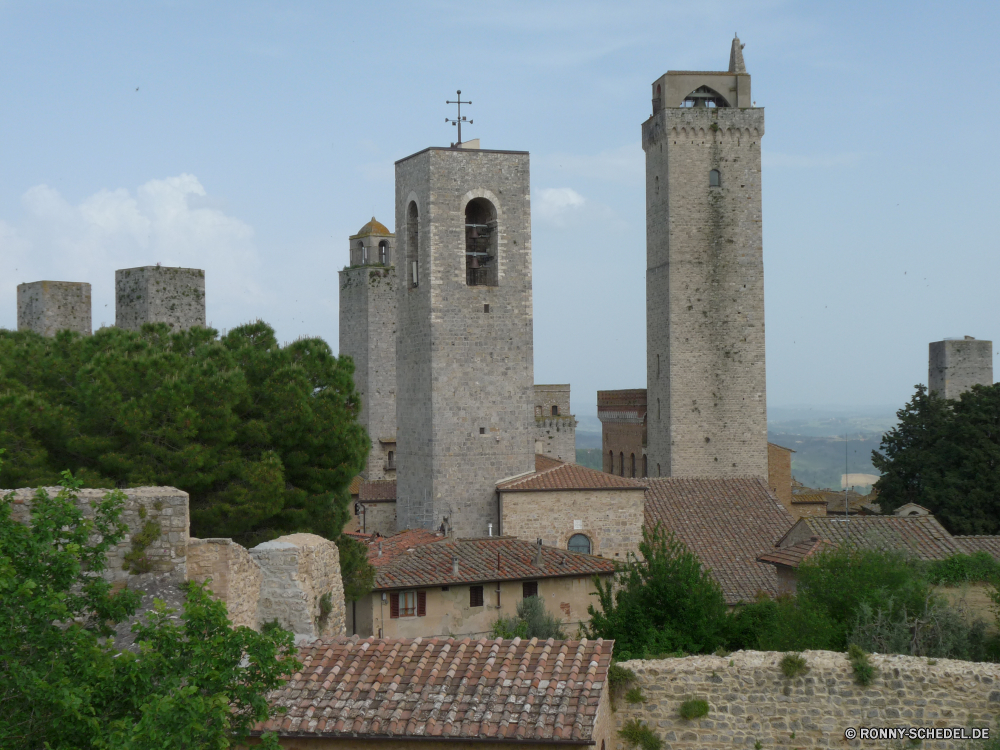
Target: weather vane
459 120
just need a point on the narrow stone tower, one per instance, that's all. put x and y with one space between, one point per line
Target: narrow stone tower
368 336
955 365
159 294
705 276
464 362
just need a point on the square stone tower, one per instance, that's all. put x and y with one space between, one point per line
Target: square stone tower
159 294
705 276
47 307
464 360
555 425
955 365
368 288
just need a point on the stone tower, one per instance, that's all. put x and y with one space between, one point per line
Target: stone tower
465 371
705 276
955 365
159 294
47 307
368 336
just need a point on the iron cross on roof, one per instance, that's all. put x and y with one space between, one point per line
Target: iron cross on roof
460 119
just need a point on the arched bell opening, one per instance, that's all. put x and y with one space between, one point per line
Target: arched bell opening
703 96
481 243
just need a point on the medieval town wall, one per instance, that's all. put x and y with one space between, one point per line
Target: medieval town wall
750 700
234 576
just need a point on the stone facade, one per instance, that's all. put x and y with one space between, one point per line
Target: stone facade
159 294
368 292
623 416
955 365
779 473
234 576
465 371
611 518
750 700
298 571
378 517
555 425
705 279
47 307
162 509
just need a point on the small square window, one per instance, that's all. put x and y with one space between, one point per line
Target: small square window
482 430
486 308
475 596
529 588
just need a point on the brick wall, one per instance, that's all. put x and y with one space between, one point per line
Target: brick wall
779 474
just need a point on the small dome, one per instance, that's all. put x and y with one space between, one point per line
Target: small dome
373 227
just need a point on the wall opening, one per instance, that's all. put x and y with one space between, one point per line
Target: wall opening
703 96
633 466
412 243
621 464
579 543
481 267
644 472
555 411
383 253
611 462
714 178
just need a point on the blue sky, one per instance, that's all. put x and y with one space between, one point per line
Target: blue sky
251 139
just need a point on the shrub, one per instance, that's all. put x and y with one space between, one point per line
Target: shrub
532 621
634 695
637 734
694 709
793 665
864 670
979 567
938 630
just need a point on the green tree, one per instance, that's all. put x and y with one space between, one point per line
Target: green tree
531 621
196 682
263 437
662 601
945 455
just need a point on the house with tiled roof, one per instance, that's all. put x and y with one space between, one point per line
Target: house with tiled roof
373 504
727 523
426 693
570 506
428 584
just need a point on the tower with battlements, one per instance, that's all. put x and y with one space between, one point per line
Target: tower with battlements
464 361
707 412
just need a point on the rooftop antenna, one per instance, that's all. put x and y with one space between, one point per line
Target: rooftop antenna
459 119
847 500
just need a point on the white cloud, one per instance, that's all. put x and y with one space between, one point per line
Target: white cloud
555 204
172 221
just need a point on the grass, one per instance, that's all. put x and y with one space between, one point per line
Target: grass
864 670
637 734
793 665
694 709
634 695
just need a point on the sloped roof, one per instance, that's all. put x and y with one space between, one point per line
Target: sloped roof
413 558
372 227
793 556
727 523
565 476
446 688
377 490
355 485
543 462
980 543
921 535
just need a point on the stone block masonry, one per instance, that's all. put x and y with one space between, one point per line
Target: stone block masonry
955 365
234 576
159 294
750 700
48 307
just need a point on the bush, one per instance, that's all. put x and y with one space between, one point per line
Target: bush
532 621
635 695
749 623
637 734
694 709
937 631
979 567
864 670
793 665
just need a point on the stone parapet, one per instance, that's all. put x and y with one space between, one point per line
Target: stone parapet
234 576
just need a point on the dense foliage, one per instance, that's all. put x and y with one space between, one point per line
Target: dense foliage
945 455
196 681
531 621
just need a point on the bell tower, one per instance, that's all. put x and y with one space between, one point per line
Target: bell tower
706 383
465 367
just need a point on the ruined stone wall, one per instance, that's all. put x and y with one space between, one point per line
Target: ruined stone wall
751 701
235 576
556 437
705 293
160 512
47 307
954 366
159 294
611 518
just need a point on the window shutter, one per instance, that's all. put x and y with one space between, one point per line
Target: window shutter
421 603
475 596
393 606
529 588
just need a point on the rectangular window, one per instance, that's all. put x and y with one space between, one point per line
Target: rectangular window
529 588
475 596
393 606
407 603
421 604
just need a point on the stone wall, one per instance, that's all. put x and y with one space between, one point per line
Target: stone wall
611 518
623 431
779 474
235 576
556 437
298 571
47 307
750 700
955 365
159 294
378 517
163 511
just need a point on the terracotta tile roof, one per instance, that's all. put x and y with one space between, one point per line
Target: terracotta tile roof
377 490
546 462
567 477
809 499
727 523
421 558
792 556
781 447
980 543
445 688
921 535
355 485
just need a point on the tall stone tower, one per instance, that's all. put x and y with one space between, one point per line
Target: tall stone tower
48 307
159 294
368 289
464 361
705 276
955 365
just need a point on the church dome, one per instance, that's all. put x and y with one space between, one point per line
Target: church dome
373 227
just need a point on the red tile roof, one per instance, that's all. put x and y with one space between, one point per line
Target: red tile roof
980 543
445 688
377 490
564 476
793 556
727 523
355 485
921 535
546 462
421 558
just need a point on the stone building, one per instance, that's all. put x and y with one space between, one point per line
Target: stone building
48 307
465 372
705 275
159 294
555 425
368 289
623 431
955 365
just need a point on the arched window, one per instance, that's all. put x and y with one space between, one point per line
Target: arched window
644 473
714 178
481 243
611 462
412 240
633 466
383 253
621 463
657 470
703 96
579 543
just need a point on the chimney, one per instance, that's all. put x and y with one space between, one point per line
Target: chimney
538 553
379 548
454 565
489 528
